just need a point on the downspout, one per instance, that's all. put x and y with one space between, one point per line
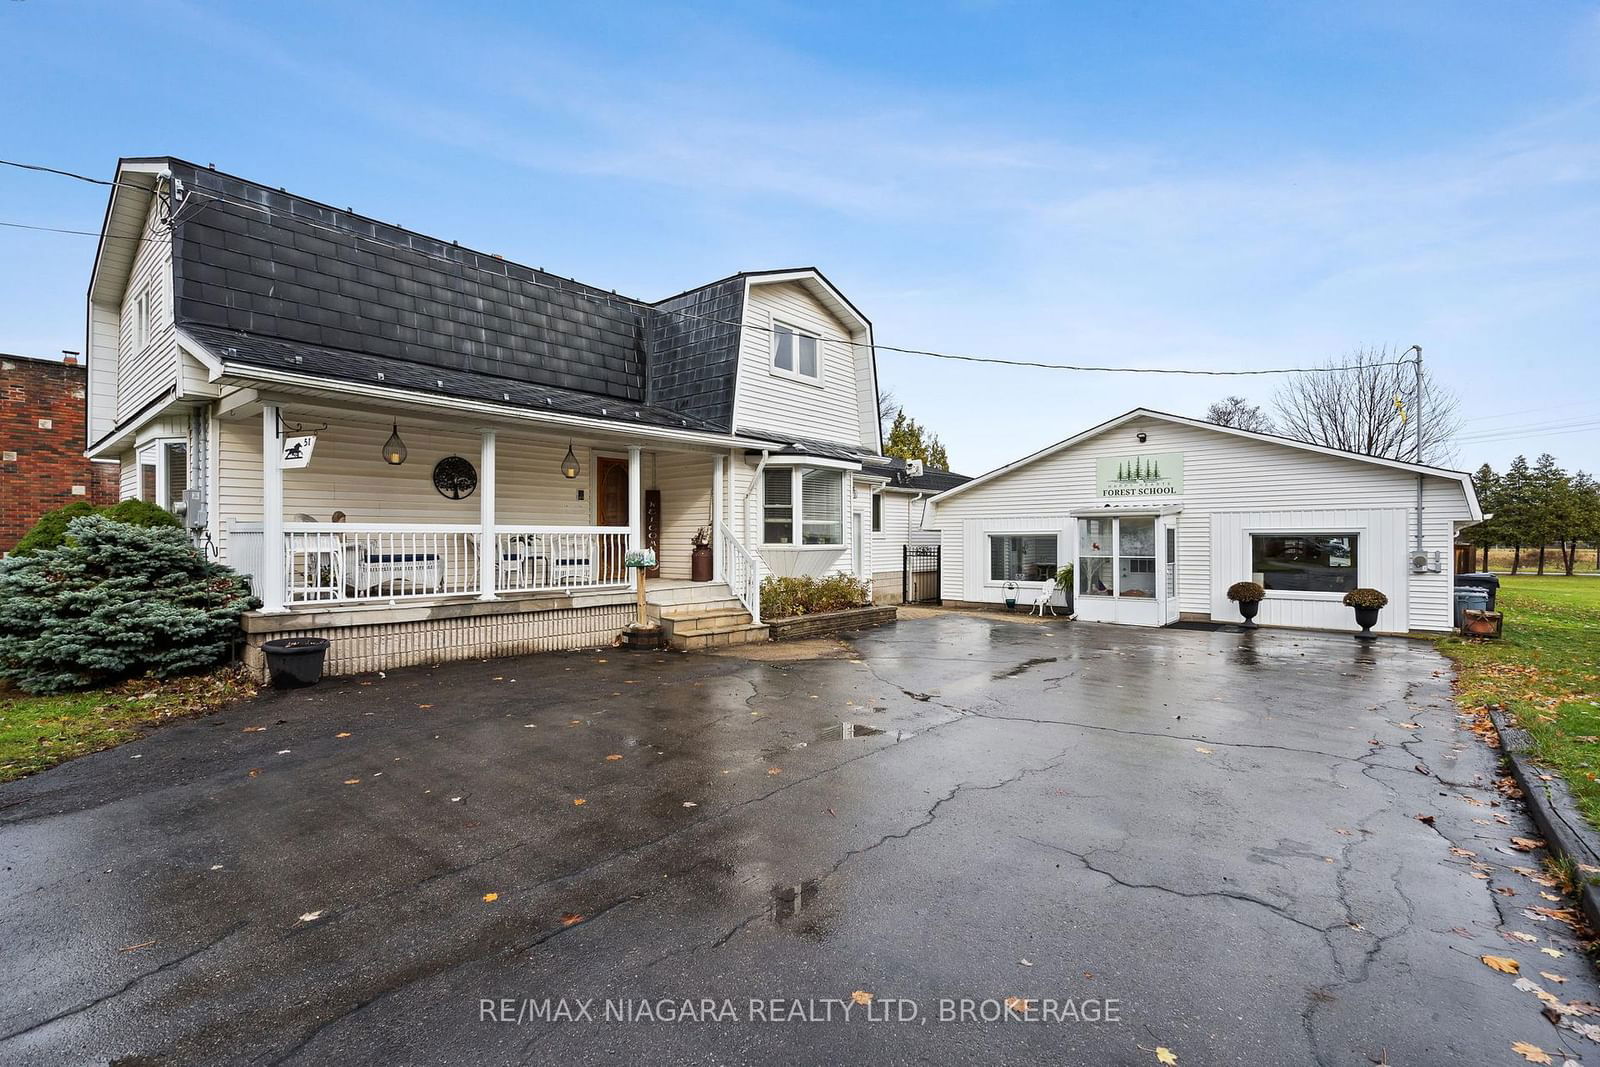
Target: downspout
755 480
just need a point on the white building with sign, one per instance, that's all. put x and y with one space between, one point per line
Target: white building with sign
1159 514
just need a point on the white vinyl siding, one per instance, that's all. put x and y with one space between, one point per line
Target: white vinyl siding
685 484
1223 473
147 350
827 408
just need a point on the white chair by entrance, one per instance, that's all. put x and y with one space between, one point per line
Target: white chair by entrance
1041 603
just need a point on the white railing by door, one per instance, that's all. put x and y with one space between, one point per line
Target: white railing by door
561 557
739 570
364 562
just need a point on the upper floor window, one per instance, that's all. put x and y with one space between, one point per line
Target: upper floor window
795 352
141 319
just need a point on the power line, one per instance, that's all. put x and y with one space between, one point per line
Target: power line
640 305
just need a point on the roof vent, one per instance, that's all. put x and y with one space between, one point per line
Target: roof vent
380 376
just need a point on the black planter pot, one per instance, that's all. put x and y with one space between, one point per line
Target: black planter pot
1366 618
295 661
1248 609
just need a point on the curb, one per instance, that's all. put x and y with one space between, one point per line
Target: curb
1553 811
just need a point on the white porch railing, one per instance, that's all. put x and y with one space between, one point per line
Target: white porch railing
560 557
739 570
345 563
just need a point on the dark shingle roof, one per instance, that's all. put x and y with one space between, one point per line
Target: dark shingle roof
233 347
930 480
274 265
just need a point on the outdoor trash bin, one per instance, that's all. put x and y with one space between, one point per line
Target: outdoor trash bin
1469 598
295 661
1481 580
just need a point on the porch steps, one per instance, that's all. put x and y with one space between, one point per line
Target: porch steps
708 619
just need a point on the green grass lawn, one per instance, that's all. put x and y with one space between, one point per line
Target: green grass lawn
1546 671
40 732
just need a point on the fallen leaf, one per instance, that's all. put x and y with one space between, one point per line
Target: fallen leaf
861 996
690 804
253 729
1553 953
424 705
570 918
1461 852
255 772
1203 750
311 916
579 801
613 757
352 781
1526 844
1531 1053
1016 1004
774 770
344 734
490 898
1528 985
1428 819
1503 964
1520 936
1556 978
1166 1055
1549 896
1026 963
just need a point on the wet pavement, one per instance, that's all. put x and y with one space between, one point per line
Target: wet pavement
1202 842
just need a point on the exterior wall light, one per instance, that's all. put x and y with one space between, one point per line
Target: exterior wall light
569 465
394 449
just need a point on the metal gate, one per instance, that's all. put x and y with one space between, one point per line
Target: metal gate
920 575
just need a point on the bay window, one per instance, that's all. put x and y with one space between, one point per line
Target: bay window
808 501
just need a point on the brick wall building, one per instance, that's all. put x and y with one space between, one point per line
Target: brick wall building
42 427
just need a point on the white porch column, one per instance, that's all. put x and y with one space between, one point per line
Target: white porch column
489 546
716 518
271 585
635 498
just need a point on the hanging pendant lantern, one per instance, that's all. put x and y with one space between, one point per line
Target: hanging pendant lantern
394 449
569 465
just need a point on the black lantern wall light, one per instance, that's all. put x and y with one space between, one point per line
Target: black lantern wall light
394 449
569 465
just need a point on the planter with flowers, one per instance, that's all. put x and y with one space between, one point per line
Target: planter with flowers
1367 602
1248 595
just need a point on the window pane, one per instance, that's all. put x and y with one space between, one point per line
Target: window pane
1094 557
783 348
808 355
147 482
877 514
822 507
1022 558
778 507
1136 565
1313 562
177 475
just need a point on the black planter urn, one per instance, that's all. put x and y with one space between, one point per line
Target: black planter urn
1366 618
295 661
1248 609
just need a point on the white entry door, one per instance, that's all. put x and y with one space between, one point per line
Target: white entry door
1167 568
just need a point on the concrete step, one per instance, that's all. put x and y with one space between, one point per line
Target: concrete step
707 620
697 593
695 611
695 639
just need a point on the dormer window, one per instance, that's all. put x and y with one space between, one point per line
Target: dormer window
795 353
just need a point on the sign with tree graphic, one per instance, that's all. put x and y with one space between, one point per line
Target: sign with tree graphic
1149 474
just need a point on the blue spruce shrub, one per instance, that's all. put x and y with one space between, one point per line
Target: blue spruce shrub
113 601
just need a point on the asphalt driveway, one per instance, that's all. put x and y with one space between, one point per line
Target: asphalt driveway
1202 842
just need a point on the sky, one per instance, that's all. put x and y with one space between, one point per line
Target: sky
1220 185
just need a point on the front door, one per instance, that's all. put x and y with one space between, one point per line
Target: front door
611 506
1118 571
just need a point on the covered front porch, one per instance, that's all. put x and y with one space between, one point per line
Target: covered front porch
356 513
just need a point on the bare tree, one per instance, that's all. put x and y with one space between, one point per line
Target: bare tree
1371 409
1239 413
888 408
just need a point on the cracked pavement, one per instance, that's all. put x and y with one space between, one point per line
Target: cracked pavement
1216 831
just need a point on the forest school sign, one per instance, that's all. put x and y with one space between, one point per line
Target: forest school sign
1151 474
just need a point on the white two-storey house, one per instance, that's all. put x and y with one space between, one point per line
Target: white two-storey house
424 452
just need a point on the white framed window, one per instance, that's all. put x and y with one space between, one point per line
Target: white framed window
796 353
1023 557
1304 562
141 320
164 472
877 513
808 501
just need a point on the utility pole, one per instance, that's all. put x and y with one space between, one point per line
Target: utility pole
1417 414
